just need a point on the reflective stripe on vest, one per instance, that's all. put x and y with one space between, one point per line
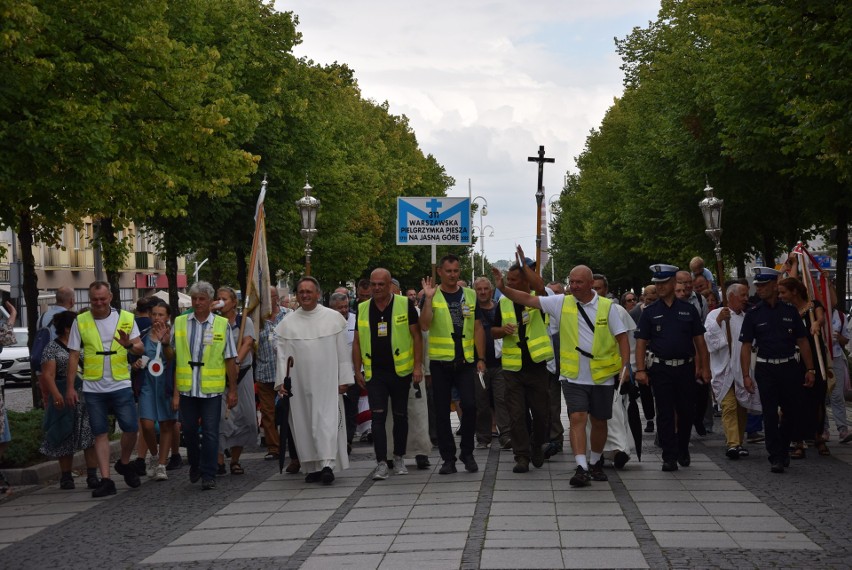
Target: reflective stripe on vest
538 341
402 345
90 340
607 359
441 344
213 372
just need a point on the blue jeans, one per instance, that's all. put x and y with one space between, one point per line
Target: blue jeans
122 405
208 410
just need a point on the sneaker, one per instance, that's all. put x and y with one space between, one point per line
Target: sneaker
422 461
669 465
482 445
755 437
66 482
175 462
581 478
160 473
131 476
521 465
270 456
844 436
732 453
92 482
469 464
399 466
536 456
381 472
208 485
140 466
106 487
448 467
742 451
326 476
552 449
151 465
620 460
777 467
506 444
194 474
649 428
596 472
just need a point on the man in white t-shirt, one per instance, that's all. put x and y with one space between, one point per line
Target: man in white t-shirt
106 336
593 351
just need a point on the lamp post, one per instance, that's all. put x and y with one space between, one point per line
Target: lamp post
483 211
308 206
482 243
550 235
711 209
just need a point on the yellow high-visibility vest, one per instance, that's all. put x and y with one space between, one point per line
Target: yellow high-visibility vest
537 339
441 344
213 371
402 345
90 339
607 359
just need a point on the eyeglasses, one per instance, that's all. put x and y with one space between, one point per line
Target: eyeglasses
630 300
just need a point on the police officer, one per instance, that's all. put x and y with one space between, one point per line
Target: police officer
776 328
672 332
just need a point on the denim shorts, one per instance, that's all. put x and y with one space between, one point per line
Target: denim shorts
120 403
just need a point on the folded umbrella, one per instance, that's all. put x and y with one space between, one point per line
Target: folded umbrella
282 415
633 420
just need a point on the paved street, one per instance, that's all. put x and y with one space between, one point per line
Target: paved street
716 513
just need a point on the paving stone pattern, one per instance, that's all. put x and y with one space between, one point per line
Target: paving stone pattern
717 513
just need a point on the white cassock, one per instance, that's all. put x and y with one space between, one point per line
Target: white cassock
725 367
322 361
618 437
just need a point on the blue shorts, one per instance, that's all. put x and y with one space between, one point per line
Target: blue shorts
6 435
119 403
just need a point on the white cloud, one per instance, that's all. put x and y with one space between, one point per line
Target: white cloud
484 84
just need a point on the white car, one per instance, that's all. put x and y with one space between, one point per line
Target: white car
15 359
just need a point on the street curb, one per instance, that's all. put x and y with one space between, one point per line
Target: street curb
49 470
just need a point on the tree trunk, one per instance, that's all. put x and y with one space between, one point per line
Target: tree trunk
171 275
30 290
768 251
741 267
111 264
842 249
242 268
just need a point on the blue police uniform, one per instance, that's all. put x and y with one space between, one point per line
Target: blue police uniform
775 330
669 332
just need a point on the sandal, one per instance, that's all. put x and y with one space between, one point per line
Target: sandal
798 452
822 448
237 469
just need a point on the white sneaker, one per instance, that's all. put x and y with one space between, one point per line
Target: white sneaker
161 475
151 465
381 472
399 466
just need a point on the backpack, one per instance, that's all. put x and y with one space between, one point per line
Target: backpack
42 339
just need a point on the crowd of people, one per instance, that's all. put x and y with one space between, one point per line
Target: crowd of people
503 354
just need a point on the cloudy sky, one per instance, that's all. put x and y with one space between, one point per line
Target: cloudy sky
483 85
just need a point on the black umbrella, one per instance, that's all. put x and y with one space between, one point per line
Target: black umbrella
282 415
633 420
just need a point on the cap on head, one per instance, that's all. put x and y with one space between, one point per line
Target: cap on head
529 262
764 275
662 272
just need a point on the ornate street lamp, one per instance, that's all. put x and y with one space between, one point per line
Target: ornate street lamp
550 203
483 211
308 206
711 209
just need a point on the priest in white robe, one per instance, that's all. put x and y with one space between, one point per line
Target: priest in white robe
727 383
315 336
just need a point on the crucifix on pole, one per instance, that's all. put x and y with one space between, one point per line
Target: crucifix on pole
539 198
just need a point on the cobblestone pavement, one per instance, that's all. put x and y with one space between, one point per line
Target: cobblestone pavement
717 513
